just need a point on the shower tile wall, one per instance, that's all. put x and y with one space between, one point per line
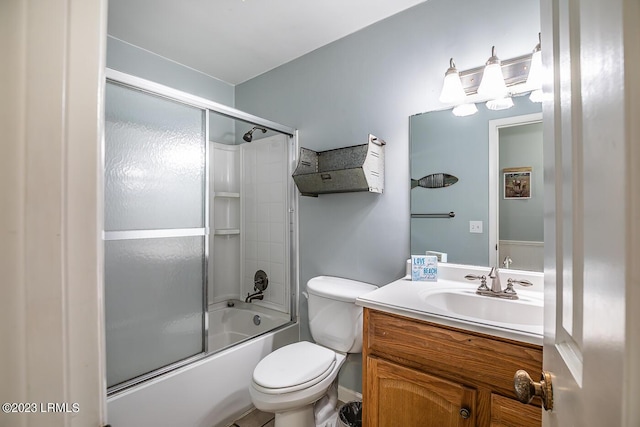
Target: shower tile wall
264 187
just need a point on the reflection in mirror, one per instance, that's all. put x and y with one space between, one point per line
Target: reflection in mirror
515 158
443 143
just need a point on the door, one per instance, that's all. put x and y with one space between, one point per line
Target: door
155 233
401 396
50 270
591 200
507 412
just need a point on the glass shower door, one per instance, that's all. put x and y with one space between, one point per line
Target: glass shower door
155 233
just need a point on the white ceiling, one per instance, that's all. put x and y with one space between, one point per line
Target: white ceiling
236 40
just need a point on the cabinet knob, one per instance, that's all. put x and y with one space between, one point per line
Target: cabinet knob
526 389
465 413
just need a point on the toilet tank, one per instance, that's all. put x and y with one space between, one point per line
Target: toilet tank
335 320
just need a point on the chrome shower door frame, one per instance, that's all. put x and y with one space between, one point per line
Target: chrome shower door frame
206 106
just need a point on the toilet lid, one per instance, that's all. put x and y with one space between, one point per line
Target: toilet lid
293 365
337 288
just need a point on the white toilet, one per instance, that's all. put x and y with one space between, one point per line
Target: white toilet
288 381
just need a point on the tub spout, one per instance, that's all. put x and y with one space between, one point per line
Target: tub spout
250 297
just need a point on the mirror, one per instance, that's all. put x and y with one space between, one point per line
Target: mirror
516 229
472 221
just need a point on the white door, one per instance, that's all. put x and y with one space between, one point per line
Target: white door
592 193
51 328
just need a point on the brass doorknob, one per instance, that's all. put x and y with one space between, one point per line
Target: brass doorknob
526 389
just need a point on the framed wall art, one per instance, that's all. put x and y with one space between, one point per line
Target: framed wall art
517 183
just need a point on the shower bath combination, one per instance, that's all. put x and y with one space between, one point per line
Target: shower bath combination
249 135
186 246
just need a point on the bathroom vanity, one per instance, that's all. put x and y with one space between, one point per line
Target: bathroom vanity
418 373
424 367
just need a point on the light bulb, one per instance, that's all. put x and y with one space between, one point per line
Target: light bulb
534 79
492 84
452 91
536 95
463 110
500 104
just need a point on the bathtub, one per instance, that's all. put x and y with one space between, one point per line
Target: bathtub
214 391
231 325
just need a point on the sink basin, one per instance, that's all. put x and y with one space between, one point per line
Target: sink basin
466 303
454 303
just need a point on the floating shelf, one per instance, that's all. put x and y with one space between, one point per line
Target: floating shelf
356 168
226 231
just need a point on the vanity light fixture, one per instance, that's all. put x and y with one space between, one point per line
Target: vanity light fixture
492 85
452 91
495 82
534 79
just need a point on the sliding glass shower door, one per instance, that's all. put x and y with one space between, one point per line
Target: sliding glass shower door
155 233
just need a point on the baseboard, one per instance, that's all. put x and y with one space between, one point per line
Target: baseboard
346 395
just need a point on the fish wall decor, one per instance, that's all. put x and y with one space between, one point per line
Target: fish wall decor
435 180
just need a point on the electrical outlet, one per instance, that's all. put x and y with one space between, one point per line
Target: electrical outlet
475 226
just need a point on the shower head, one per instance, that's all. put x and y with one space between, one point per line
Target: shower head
249 135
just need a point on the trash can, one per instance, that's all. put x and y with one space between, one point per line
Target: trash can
350 415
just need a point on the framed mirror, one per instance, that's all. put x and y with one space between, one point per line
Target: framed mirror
464 220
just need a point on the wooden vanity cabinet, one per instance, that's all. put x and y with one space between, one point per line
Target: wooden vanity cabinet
421 374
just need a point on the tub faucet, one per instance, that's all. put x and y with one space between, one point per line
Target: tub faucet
257 295
495 280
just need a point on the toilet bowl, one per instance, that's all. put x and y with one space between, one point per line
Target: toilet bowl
290 380
292 397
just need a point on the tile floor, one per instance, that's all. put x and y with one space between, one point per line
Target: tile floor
255 418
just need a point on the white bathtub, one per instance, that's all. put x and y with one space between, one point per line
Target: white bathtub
230 325
211 392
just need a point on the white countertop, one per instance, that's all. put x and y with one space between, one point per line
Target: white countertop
406 298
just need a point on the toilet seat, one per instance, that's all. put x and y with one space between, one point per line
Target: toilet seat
293 367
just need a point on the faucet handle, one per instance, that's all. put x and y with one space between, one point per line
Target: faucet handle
524 283
510 283
260 281
483 281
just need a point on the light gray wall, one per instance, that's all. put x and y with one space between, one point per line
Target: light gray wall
522 219
371 82
442 142
138 62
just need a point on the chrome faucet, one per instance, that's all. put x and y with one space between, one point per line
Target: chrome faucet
260 283
507 261
496 288
257 295
495 280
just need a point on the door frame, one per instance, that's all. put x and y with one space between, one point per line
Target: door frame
494 181
52 310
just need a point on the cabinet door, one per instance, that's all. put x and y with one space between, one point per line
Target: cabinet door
401 396
507 412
